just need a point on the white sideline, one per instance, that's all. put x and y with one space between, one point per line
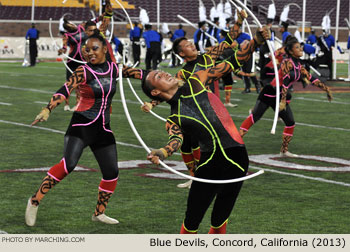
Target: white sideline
140 147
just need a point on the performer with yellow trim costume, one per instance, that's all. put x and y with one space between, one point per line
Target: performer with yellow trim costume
190 150
196 111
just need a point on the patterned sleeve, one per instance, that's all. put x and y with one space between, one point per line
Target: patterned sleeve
135 73
246 51
106 18
64 92
175 135
310 79
209 75
180 75
216 51
288 75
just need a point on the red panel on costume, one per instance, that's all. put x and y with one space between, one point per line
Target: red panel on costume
216 88
224 117
197 154
280 76
87 98
187 157
247 123
184 231
220 230
108 185
58 171
288 130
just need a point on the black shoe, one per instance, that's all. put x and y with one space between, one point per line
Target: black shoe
246 91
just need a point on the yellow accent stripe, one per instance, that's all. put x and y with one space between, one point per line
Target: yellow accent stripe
212 136
190 231
220 225
216 135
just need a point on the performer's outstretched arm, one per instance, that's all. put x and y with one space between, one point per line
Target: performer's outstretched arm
62 94
310 79
174 143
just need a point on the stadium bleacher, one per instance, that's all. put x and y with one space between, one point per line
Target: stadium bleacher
46 9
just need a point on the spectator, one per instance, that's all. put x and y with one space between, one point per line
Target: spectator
32 35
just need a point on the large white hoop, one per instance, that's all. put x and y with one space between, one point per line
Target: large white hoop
127 114
57 47
162 163
126 13
273 130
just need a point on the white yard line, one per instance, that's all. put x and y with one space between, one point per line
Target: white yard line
317 100
5 103
167 107
301 124
62 132
300 176
252 167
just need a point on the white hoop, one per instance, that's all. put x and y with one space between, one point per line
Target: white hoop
127 114
57 47
126 13
273 130
141 102
251 36
162 163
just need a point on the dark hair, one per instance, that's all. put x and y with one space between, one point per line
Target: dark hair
176 45
89 23
180 26
98 36
66 25
285 25
289 43
201 23
147 87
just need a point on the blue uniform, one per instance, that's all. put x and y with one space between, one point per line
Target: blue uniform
311 39
348 43
330 41
309 49
154 53
243 36
151 36
135 33
172 38
32 33
285 35
180 33
117 42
